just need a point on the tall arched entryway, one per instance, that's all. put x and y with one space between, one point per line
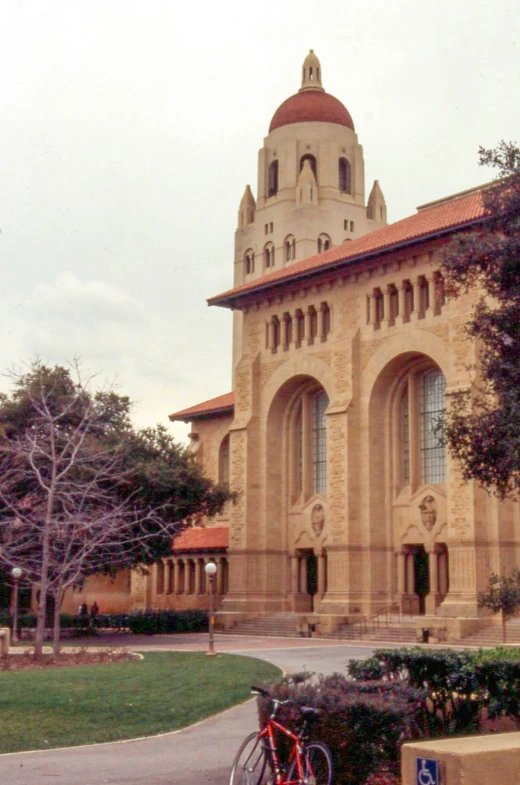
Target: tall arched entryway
297 484
407 489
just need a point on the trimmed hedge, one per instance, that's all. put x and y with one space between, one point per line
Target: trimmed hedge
157 622
140 622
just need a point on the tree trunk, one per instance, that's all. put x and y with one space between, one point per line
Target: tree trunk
504 632
58 599
40 624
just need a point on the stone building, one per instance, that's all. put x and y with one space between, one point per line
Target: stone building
345 354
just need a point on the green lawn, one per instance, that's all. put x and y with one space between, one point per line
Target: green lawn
41 709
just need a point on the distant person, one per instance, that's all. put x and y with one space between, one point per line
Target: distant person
83 609
94 613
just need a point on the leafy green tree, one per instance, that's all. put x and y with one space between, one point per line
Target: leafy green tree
483 425
502 596
82 491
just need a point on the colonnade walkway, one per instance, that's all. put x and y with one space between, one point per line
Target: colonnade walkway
200 754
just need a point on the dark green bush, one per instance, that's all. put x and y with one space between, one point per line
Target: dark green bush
5 619
363 723
163 622
459 685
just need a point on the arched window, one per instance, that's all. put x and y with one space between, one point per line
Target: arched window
268 255
223 461
272 179
421 414
345 176
312 161
249 262
324 242
300 327
289 245
309 428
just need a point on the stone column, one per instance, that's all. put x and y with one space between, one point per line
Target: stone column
416 312
388 320
272 342
284 326
431 294
294 575
176 576
433 561
401 577
371 309
409 573
443 574
187 576
294 319
199 566
303 576
401 304
322 566
432 598
308 336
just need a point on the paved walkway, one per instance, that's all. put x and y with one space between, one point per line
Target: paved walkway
201 754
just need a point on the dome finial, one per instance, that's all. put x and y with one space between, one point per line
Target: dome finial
311 73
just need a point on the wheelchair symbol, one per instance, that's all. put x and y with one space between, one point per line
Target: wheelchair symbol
427 772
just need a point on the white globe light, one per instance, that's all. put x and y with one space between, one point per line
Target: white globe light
16 572
210 568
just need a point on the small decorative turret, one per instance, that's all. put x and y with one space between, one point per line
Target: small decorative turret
311 73
306 187
246 211
376 207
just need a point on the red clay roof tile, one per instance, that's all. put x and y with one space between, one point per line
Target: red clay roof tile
220 405
201 539
440 217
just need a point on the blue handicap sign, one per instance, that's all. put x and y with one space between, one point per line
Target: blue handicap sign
427 771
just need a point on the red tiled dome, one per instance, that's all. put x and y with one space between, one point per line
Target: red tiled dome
310 106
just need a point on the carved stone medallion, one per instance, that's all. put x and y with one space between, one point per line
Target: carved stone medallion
428 508
318 519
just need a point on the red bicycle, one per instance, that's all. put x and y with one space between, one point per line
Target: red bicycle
258 762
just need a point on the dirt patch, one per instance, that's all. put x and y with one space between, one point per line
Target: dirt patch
25 660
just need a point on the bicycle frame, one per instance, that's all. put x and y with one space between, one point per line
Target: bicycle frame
267 735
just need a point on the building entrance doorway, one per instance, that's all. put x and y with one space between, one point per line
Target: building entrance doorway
416 579
421 577
304 580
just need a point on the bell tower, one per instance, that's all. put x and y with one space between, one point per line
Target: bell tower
310 187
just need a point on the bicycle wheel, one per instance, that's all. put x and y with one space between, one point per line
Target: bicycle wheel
316 764
250 765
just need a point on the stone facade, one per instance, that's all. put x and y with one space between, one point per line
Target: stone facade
368 512
346 352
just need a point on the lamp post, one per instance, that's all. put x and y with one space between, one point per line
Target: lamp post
210 569
16 574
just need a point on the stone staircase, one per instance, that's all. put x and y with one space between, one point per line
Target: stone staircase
385 629
283 625
492 636
289 625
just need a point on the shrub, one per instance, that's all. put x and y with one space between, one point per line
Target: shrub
163 622
458 685
363 723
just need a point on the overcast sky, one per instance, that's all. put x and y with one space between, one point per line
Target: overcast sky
129 129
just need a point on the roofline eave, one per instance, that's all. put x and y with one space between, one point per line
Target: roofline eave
228 302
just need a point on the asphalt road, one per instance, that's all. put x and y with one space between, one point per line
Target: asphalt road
201 754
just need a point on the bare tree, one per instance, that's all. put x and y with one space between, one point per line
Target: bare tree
72 497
